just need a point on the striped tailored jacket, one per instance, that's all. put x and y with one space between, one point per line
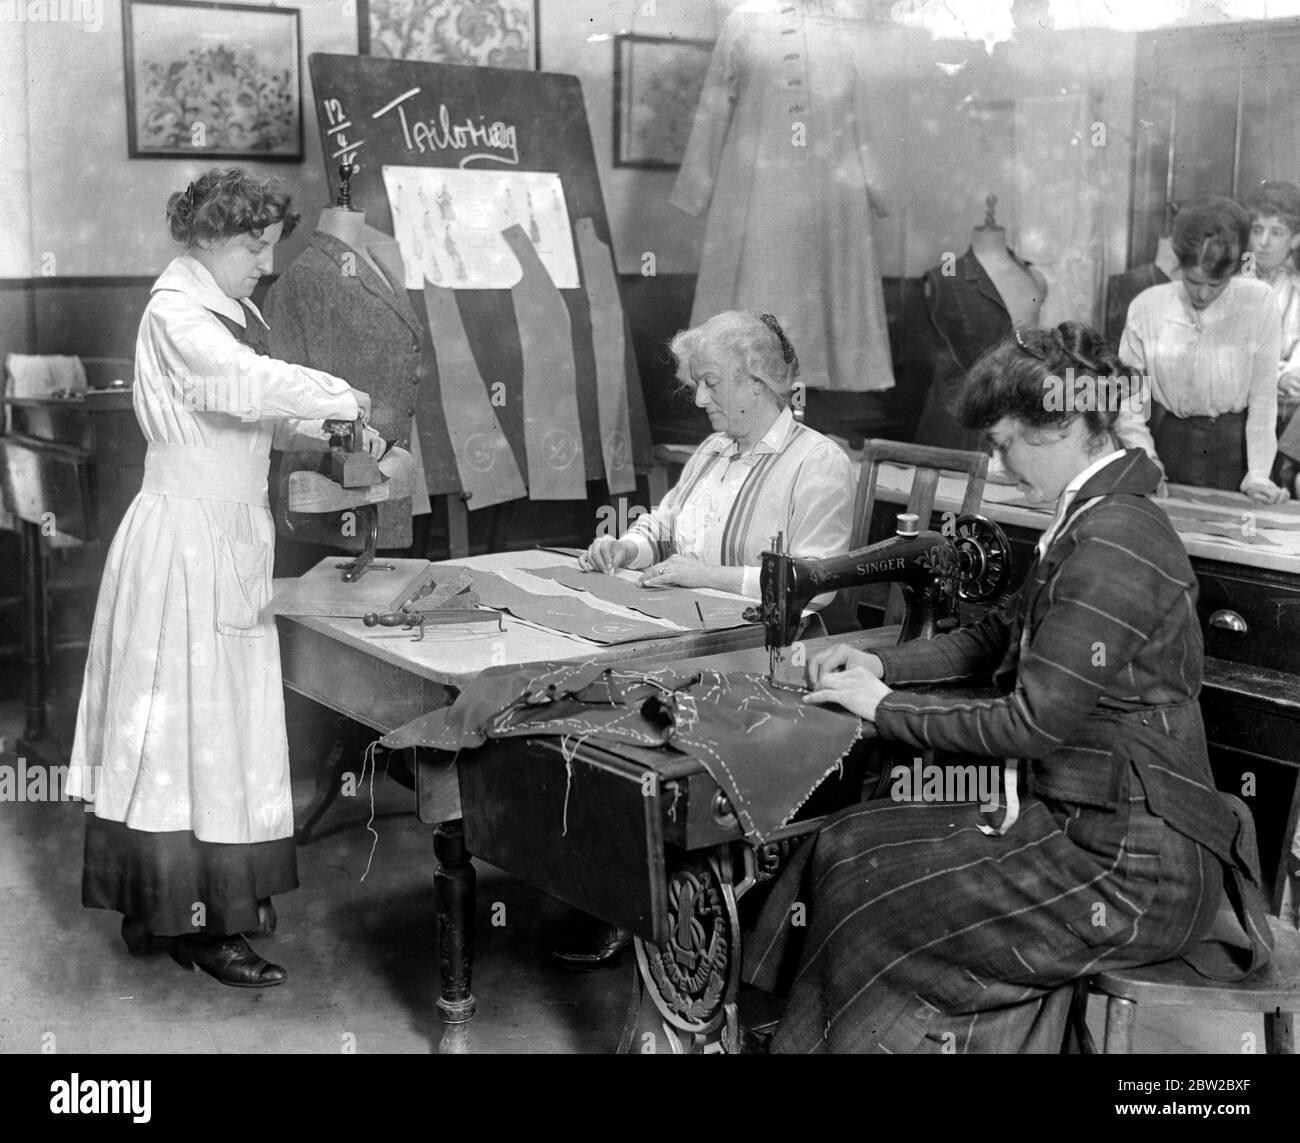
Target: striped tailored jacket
726 507
1099 656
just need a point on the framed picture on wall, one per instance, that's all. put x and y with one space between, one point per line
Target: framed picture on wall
221 81
657 84
484 33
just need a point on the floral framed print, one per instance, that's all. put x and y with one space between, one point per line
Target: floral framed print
657 84
221 81
486 33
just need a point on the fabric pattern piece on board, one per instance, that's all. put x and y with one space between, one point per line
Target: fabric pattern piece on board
609 344
561 613
486 462
676 604
765 748
557 465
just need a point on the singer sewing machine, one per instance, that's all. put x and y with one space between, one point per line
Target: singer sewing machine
934 571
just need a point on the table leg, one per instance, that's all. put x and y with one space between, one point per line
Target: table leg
455 891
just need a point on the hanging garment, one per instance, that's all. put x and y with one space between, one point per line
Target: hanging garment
781 157
766 749
331 311
180 726
970 316
928 933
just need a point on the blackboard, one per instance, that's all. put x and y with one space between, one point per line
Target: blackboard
407 113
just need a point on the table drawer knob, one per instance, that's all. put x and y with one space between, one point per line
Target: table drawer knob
1228 621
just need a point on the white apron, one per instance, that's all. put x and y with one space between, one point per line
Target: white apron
181 720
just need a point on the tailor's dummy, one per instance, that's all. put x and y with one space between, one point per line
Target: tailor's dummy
1021 286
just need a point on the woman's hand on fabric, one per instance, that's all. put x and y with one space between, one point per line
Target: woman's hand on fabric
839 658
607 554
855 687
679 571
373 442
1266 492
1288 385
1162 489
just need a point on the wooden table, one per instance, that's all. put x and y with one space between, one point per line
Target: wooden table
382 678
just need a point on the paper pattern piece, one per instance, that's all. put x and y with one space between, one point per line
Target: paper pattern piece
608 342
557 465
486 463
449 225
676 604
567 615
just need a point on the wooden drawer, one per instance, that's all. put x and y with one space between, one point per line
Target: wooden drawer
1269 604
586 830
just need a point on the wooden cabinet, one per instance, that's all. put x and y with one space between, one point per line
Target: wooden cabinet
1216 110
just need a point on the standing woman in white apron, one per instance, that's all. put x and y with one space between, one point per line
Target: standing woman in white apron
180 740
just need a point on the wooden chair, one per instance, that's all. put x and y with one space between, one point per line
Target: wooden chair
1274 992
928 463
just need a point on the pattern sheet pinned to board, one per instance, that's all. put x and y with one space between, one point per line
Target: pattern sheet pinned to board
565 614
676 604
764 747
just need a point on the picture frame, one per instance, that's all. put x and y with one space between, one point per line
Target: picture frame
657 85
212 80
476 33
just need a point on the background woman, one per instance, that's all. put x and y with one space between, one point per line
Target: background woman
1209 346
937 927
180 739
761 471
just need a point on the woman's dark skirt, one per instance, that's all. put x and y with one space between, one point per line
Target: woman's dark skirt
925 935
162 878
1208 452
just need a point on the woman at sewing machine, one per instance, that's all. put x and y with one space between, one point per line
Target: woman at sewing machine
180 740
761 472
942 926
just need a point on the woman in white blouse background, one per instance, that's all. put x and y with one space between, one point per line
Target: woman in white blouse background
759 473
1209 346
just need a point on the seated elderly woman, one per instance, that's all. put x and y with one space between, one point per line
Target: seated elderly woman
761 472
939 926
1209 346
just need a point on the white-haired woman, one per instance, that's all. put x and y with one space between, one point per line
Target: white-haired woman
759 473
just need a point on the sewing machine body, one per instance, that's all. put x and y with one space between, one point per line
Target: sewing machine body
934 571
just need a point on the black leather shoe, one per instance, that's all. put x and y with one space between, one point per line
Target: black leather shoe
265 920
229 960
593 949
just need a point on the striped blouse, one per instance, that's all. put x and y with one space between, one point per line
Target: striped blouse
727 505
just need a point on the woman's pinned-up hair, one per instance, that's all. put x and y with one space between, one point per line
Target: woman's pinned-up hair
1211 234
750 344
1044 377
1275 200
222 204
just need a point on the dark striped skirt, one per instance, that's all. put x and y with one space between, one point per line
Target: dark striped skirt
160 878
1208 452
925 935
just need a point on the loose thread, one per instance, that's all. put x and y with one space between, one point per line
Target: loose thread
369 757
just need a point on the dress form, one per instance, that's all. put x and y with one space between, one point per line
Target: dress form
346 223
1021 287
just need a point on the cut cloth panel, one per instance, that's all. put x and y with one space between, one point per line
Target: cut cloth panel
765 748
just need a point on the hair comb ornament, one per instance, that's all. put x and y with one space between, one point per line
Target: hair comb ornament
787 350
